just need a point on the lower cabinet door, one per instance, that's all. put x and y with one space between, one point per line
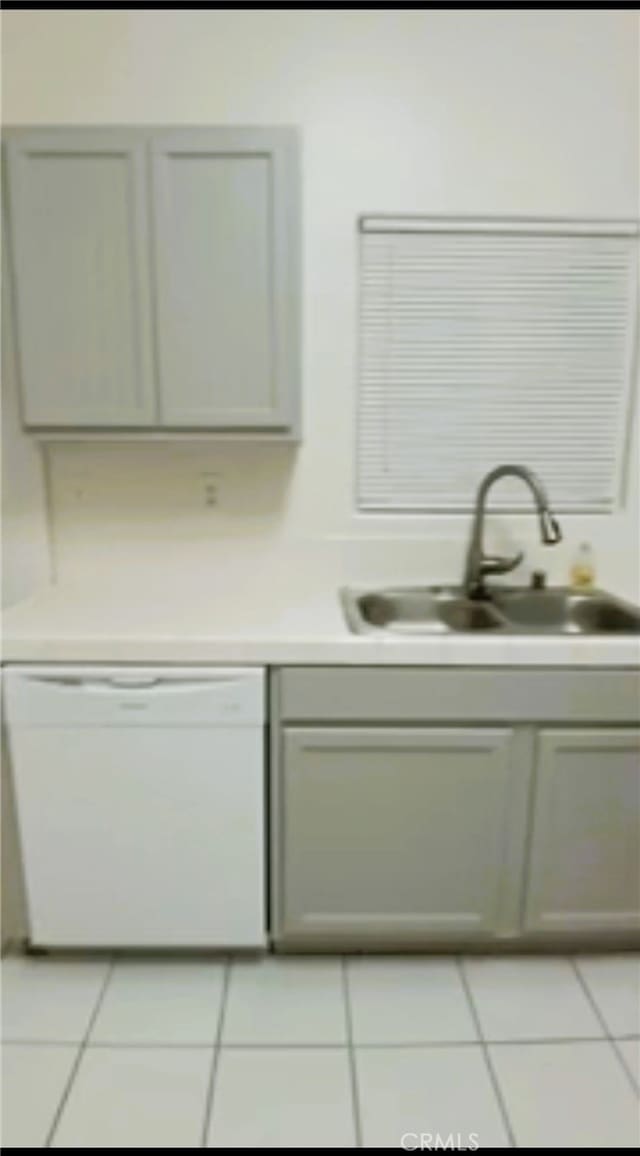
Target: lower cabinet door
584 869
395 834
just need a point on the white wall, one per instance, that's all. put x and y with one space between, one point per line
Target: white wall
514 112
25 537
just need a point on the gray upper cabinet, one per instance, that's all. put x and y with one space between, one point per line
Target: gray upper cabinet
395 833
156 278
225 228
80 252
584 870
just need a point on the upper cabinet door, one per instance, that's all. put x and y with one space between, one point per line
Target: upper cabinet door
225 204
80 250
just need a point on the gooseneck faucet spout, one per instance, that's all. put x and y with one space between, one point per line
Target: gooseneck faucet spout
478 564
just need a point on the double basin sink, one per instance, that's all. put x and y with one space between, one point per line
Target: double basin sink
507 610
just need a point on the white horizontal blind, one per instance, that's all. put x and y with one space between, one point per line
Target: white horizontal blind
484 343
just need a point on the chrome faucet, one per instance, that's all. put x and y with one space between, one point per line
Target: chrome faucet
478 564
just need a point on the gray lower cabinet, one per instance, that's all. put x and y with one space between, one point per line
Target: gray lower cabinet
439 806
397 834
584 866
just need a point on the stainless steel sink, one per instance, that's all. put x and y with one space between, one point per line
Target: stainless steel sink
600 616
463 614
508 610
564 611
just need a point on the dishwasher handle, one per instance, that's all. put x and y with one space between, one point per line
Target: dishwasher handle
128 682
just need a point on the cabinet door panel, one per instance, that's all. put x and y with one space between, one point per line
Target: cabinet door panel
224 222
584 870
395 833
78 228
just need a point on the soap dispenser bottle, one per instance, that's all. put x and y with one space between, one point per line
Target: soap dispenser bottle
583 568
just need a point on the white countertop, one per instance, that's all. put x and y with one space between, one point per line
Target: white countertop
272 616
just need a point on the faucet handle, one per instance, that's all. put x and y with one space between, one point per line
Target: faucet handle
494 564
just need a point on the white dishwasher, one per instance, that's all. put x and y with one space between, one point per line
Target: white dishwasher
140 797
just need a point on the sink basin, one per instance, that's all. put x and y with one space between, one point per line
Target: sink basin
535 609
406 610
463 614
567 612
509 610
598 616
418 610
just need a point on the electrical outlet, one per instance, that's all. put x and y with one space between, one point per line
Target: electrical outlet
211 490
74 485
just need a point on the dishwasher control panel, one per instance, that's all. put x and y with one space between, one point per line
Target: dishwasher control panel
105 696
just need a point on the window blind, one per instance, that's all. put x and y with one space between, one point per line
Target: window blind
485 342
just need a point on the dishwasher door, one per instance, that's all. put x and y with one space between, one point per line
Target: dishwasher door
140 798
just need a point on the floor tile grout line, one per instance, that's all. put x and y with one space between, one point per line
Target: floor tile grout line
591 1000
533 1041
355 1095
497 1090
601 1020
297 1045
81 1050
215 1059
635 1083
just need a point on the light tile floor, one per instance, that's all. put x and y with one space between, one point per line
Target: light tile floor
321 1052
